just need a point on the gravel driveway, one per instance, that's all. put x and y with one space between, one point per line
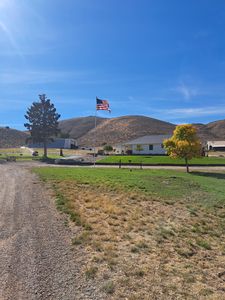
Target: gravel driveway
37 260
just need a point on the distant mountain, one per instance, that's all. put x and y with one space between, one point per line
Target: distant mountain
78 127
204 133
211 131
10 138
125 128
114 130
217 129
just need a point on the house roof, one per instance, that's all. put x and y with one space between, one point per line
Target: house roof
148 139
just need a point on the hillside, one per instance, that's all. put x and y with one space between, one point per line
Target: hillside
211 131
217 128
78 127
204 133
116 130
120 129
10 138
113 131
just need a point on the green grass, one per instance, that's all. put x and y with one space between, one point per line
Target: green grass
25 154
160 160
166 184
27 157
203 244
17 155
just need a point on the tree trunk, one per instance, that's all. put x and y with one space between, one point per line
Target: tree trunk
45 149
187 166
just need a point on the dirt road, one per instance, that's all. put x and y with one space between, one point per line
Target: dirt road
37 260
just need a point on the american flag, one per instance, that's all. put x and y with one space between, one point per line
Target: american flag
102 104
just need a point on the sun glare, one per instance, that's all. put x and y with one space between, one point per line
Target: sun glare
4 3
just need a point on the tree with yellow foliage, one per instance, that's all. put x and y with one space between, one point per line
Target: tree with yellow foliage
184 143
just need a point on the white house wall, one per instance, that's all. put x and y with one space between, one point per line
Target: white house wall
119 149
68 143
215 144
157 149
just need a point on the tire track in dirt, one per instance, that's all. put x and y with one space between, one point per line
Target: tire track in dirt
36 258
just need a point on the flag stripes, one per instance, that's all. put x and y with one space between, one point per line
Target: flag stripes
102 104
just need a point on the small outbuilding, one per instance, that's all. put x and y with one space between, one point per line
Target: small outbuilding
216 145
148 144
57 143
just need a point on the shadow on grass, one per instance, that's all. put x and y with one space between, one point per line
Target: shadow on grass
209 174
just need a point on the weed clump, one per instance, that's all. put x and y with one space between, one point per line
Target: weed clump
91 272
204 244
83 238
109 287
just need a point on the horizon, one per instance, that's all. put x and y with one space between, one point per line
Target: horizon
102 117
164 60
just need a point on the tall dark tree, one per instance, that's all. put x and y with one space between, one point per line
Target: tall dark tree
43 121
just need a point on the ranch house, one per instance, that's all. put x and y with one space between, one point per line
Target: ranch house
148 144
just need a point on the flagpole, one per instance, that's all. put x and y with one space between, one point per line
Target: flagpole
100 105
95 132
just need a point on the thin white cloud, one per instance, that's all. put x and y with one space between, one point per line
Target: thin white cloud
180 113
185 91
37 77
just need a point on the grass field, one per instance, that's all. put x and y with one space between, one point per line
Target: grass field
160 160
26 154
148 234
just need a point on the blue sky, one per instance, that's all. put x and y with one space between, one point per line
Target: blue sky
159 58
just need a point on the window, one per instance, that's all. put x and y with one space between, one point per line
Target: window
150 147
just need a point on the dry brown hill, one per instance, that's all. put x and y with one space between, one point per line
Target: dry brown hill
78 127
113 131
10 138
217 128
116 130
211 131
204 133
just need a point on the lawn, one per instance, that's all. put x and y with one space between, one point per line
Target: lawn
26 153
137 159
148 234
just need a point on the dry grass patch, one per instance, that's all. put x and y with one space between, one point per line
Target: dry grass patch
141 247
145 244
